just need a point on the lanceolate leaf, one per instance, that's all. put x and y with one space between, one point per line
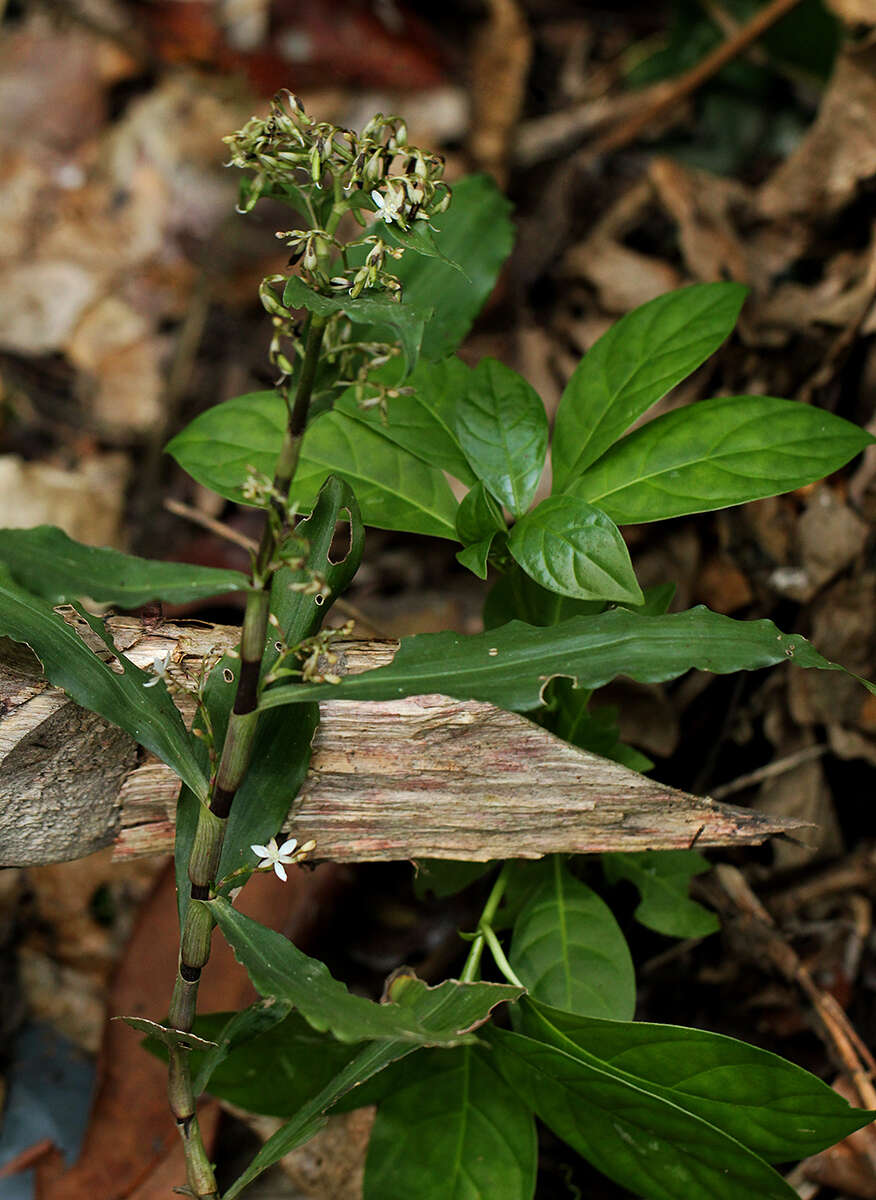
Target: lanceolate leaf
509 666
717 453
663 878
451 1130
569 951
633 365
570 547
45 561
394 489
424 422
406 320
147 714
647 1144
773 1107
503 430
445 1015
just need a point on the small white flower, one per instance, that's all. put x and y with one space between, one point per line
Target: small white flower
274 856
391 205
159 668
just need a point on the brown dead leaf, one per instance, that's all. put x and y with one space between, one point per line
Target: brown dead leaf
331 1165
839 152
854 12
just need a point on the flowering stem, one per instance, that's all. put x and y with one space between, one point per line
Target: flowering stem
233 765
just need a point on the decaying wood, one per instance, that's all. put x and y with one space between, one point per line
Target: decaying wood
423 777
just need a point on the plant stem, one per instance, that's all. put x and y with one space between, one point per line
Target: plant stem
471 970
233 764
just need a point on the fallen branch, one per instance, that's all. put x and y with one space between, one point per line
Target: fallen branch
423 777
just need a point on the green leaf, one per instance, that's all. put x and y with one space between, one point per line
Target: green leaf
478 520
503 430
147 714
424 422
645 1143
419 238
395 489
445 877
510 666
663 878
569 715
239 1029
717 453
773 1107
281 970
515 596
632 366
309 1119
45 561
220 446
453 1130
406 320
570 547
475 231
298 613
569 951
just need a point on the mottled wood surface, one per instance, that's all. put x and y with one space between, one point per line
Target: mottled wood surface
423 777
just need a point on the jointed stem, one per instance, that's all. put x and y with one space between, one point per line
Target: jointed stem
233 765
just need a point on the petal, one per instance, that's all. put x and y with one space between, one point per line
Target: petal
266 862
261 851
288 847
281 871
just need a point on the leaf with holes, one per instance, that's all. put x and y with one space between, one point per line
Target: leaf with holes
663 878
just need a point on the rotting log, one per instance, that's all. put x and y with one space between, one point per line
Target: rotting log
423 777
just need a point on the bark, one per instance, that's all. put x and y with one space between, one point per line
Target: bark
423 777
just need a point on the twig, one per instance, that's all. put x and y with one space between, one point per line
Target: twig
854 874
210 523
835 1028
685 85
779 767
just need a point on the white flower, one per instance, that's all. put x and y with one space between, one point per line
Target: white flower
159 668
391 205
274 856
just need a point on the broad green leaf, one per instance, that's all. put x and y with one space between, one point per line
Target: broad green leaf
395 490
406 320
476 556
632 366
310 1118
301 614
423 422
510 666
147 713
477 233
646 1143
663 878
503 430
453 1130
515 596
773 1107
281 970
569 951
48 563
570 547
222 445
419 238
717 453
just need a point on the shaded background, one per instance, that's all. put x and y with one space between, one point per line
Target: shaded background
129 304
